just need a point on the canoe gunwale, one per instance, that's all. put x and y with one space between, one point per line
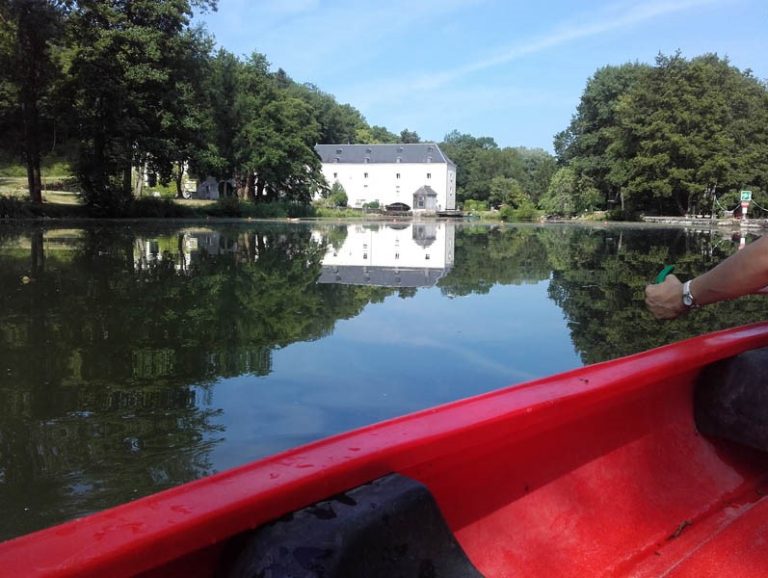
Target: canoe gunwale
152 531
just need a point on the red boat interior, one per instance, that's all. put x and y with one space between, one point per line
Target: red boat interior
600 471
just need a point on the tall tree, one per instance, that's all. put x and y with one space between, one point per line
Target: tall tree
685 131
589 142
28 31
124 58
409 136
662 138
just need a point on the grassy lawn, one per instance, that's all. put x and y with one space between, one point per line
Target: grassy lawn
17 187
195 203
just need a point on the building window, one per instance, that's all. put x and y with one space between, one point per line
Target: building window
335 175
336 159
397 176
399 159
367 160
365 175
429 175
338 151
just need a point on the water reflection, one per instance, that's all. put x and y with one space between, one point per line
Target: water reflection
394 255
134 359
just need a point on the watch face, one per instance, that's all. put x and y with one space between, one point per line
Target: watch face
687 301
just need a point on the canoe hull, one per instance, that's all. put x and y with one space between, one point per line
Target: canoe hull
597 471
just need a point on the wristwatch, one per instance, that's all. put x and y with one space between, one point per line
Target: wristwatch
688 299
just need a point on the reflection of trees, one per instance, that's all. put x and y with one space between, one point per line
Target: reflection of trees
485 257
106 369
599 277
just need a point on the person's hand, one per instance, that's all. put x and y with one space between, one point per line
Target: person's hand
665 300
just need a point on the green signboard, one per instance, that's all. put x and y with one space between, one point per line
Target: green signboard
746 195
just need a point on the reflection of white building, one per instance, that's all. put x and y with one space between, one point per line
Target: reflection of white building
393 255
417 175
180 250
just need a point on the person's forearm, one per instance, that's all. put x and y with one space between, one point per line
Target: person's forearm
743 273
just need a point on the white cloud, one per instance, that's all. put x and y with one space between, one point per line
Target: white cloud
615 19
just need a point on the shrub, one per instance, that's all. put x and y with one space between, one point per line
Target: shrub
157 208
338 196
475 206
526 212
13 208
226 207
235 208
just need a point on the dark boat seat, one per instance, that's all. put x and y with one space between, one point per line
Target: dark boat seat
731 399
389 528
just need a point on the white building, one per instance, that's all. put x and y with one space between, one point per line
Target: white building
419 176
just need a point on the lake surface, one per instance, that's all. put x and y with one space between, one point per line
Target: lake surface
136 358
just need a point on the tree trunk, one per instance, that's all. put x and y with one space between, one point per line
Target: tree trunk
179 180
32 147
35 181
127 181
140 172
250 187
260 184
37 253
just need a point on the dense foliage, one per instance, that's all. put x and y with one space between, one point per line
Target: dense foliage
514 177
668 138
133 88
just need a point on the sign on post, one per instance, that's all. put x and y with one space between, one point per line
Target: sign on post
746 196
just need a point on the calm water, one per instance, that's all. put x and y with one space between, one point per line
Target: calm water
133 359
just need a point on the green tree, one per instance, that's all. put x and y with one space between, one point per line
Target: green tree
570 194
29 30
409 136
506 191
338 123
689 127
123 65
338 196
589 144
662 138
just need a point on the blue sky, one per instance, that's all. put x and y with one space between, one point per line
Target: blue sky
511 70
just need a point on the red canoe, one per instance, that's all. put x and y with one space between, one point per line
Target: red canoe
600 471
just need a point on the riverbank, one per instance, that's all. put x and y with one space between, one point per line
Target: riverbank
703 222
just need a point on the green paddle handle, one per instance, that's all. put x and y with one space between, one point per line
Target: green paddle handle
664 272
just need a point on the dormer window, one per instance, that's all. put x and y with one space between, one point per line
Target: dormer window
336 159
399 159
369 151
339 151
367 160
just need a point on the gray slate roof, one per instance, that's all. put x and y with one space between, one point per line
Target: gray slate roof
382 153
380 276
